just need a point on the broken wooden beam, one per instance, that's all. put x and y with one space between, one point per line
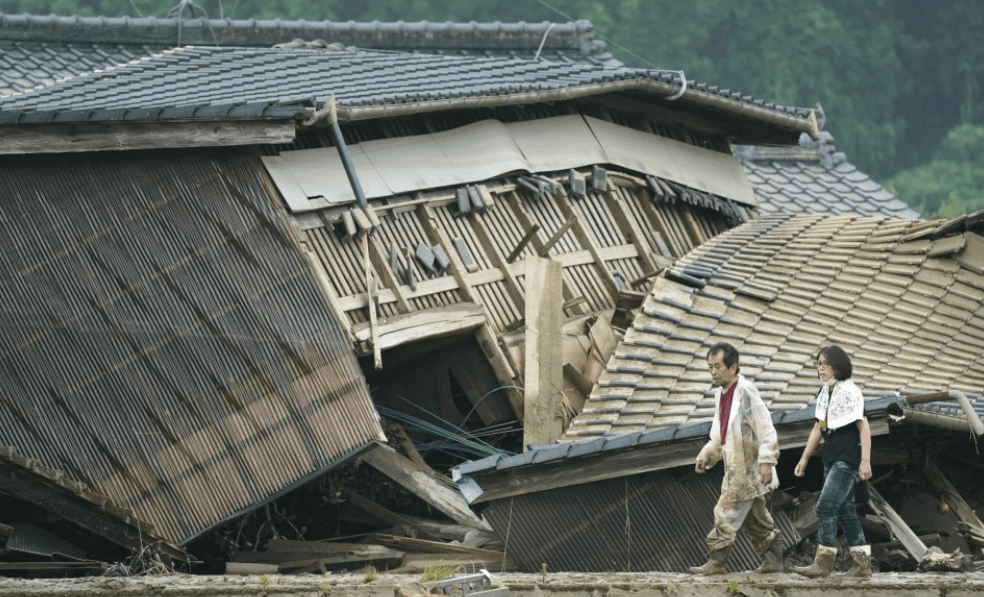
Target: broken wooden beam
900 529
543 377
523 242
425 483
557 236
957 504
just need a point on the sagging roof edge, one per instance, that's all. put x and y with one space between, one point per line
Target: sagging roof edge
268 110
778 118
889 405
284 491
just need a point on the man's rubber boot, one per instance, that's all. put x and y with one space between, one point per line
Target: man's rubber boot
861 555
772 560
822 564
717 562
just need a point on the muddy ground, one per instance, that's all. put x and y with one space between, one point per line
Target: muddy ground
520 585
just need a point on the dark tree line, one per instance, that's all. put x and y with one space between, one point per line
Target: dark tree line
900 81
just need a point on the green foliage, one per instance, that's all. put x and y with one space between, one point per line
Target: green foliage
953 182
370 574
893 76
733 586
433 573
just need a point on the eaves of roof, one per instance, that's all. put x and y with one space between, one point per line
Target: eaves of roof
231 111
366 84
598 447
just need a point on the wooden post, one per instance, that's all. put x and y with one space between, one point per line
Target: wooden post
909 540
543 381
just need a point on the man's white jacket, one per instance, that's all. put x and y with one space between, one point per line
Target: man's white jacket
750 441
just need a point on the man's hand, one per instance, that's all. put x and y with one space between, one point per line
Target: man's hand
701 467
765 471
800 468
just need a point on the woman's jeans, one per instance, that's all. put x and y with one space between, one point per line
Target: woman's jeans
836 505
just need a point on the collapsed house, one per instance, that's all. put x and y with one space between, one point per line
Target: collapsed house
218 287
902 296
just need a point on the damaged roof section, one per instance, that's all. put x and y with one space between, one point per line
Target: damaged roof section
42 49
903 300
165 343
816 178
48 515
226 82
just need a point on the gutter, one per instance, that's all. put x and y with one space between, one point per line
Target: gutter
806 125
973 422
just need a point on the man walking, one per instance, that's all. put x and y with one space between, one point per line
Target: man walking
743 437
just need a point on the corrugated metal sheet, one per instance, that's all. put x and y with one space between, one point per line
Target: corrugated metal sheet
654 522
163 339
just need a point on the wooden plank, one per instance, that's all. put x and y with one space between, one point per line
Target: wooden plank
324 285
523 242
410 544
543 379
957 504
630 227
492 252
557 236
423 482
382 513
610 286
117 136
419 325
900 529
247 568
381 262
372 293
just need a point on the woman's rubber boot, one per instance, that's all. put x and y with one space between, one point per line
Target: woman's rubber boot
861 555
772 560
717 562
822 564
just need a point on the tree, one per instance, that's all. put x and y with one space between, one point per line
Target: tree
953 182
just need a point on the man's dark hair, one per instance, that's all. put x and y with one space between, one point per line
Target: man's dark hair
730 354
838 359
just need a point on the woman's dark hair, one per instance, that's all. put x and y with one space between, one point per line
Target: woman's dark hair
730 354
838 359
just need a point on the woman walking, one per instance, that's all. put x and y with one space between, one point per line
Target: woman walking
846 436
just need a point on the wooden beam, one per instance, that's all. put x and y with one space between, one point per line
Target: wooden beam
900 529
114 136
585 240
489 343
627 223
953 498
523 242
421 325
423 482
383 514
381 262
557 236
543 378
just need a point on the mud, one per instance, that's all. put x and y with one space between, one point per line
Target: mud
520 585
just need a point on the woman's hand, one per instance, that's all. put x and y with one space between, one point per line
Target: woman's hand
800 468
864 471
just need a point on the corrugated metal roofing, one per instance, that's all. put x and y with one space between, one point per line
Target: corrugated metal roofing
163 340
815 178
648 523
780 287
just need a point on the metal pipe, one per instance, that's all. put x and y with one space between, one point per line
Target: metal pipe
343 152
806 125
973 421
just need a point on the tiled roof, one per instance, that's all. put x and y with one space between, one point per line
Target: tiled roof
39 50
201 75
897 294
815 178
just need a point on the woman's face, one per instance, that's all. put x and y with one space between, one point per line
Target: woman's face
824 370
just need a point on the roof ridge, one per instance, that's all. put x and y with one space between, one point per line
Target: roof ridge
571 35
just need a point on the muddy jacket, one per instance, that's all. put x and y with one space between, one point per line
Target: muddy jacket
751 441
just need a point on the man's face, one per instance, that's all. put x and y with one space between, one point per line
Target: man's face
720 374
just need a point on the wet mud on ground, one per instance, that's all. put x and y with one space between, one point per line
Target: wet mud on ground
519 585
